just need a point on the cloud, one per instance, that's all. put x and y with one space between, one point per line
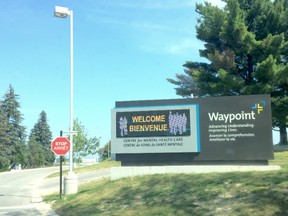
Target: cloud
140 25
185 46
158 26
218 3
171 46
155 4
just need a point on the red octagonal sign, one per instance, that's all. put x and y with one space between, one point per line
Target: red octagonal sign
60 146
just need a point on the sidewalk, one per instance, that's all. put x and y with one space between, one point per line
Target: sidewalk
48 186
43 208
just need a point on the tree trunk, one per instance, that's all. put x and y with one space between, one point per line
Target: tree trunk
283 136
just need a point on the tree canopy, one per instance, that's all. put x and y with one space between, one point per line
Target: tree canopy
5 148
105 151
40 143
13 149
245 47
13 144
83 145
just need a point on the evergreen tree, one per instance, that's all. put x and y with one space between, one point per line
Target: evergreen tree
246 47
5 149
22 156
37 153
14 141
42 136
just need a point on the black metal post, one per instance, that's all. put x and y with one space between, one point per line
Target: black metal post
61 158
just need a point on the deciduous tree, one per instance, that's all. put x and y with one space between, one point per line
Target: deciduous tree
83 145
105 151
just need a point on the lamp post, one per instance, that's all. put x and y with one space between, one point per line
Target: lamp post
71 181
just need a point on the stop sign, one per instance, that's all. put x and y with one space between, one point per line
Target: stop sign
60 146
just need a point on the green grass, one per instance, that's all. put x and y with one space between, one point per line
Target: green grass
245 193
102 165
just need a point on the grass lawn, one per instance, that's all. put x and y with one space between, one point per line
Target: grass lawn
235 193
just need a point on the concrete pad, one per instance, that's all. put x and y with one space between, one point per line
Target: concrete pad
122 172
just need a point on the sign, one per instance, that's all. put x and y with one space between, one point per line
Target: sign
156 129
60 146
154 123
232 129
236 128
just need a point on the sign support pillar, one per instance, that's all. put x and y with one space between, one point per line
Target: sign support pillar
71 180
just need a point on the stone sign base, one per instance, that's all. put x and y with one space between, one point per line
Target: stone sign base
122 172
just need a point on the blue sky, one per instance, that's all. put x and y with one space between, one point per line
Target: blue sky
123 50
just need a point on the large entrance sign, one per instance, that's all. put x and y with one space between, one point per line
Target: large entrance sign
213 130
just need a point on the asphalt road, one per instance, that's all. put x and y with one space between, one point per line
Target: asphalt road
20 191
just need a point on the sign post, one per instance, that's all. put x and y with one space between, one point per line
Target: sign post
60 146
61 158
60 191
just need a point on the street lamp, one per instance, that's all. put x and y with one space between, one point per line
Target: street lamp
71 185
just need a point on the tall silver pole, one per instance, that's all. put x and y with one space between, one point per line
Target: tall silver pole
71 180
71 91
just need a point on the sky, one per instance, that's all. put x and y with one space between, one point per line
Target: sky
123 50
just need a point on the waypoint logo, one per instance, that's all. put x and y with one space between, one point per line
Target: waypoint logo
259 106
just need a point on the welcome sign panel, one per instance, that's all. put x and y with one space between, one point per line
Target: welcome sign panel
154 123
155 129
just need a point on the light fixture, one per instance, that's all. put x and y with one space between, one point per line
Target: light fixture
61 12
